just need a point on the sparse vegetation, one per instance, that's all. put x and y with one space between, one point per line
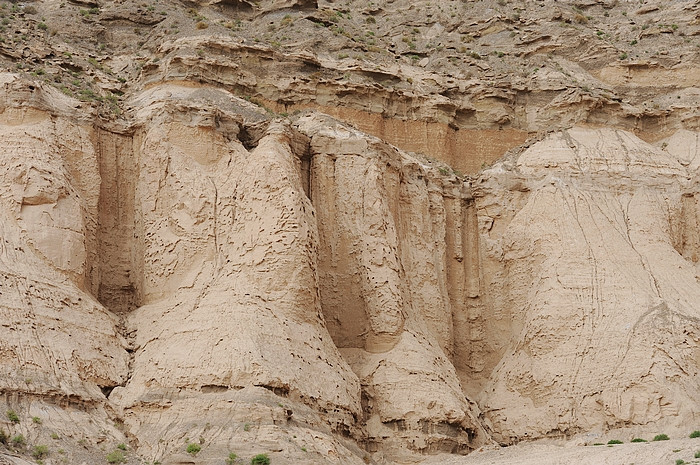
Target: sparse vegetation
193 448
680 461
18 441
639 440
697 454
12 416
694 434
116 457
40 451
3 436
661 437
260 459
121 446
36 420
232 457
614 441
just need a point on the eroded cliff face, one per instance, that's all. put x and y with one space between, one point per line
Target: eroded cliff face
247 281
303 288
592 256
181 264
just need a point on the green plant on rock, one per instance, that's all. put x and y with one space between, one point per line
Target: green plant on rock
639 440
12 416
116 457
694 434
661 437
18 441
260 459
40 451
232 457
193 448
614 441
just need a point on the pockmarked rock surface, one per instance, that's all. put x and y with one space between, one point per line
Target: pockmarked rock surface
241 228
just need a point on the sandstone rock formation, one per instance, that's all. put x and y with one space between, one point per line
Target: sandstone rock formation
208 238
594 257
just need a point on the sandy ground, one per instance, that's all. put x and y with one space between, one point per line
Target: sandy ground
565 453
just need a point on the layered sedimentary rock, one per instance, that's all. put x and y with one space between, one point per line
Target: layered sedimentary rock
59 346
199 272
257 297
594 286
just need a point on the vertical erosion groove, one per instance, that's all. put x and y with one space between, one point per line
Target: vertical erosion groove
118 269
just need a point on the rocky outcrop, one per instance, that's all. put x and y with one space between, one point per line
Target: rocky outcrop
61 349
591 256
207 238
234 260
202 273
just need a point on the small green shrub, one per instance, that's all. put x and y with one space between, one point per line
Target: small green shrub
598 444
661 437
121 446
694 434
639 440
36 420
12 416
260 459
193 448
18 441
697 455
231 458
614 441
680 461
54 436
3 436
40 451
116 457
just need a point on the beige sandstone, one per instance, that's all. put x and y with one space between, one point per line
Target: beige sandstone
227 250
